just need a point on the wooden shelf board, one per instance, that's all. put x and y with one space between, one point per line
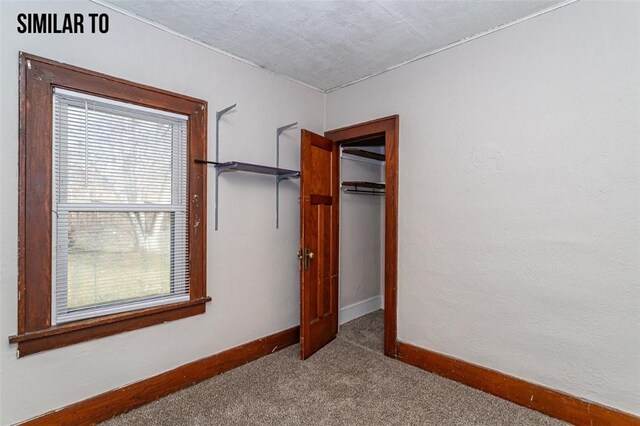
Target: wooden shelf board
363 184
364 153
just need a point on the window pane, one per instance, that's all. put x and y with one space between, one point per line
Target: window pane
114 256
111 156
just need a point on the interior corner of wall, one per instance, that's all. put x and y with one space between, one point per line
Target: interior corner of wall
324 111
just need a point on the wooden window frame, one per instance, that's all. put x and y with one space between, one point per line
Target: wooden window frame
37 79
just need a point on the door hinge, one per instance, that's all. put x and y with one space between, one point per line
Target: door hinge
305 256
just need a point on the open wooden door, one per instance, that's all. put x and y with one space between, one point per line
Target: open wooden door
319 198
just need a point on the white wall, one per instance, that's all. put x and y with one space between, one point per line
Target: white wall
519 204
361 234
252 267
519 208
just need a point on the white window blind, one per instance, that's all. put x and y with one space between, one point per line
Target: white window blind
120 207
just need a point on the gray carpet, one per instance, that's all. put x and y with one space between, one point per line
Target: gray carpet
367 331
349 382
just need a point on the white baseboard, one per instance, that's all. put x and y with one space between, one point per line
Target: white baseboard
358 309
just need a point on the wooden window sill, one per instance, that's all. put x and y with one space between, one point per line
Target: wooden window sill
80 331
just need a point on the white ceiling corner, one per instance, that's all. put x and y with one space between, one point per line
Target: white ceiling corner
331 43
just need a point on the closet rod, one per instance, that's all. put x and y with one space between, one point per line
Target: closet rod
361 192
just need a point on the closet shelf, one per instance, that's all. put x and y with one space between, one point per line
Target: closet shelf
363 184
364 153
363 187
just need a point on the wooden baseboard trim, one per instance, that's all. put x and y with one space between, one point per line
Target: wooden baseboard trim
117 401
547 401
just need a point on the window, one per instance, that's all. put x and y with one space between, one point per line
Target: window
112 220
119 198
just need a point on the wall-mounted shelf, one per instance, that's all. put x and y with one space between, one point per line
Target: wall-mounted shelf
231 166
363 187
238 166
363 153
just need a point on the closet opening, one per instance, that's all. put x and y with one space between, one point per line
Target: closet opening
361 278
368 232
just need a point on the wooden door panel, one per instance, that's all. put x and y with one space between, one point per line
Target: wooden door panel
324 259
312 284
319 236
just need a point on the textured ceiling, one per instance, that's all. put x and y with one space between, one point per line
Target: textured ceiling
327 44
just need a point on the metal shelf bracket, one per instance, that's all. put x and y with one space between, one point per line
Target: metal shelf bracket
219 115
280 178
